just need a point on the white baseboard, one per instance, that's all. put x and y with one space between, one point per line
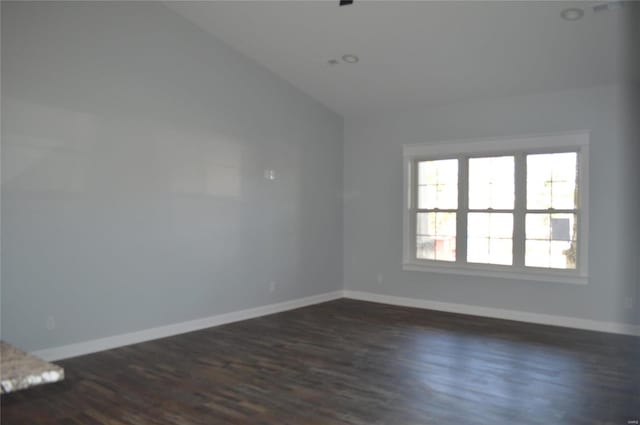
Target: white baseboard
95 345
92 346
520 316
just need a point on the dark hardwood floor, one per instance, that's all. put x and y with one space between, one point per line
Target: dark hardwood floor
349 362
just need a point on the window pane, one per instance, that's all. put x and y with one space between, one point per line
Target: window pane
551 240
425 248
436 224
537 253
477 250
491 182
500 251
436 236
489 238
478 225
551 181
563 195
557 227
438 184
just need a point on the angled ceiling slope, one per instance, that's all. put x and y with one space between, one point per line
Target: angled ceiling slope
419 53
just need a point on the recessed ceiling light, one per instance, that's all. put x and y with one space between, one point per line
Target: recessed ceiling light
572 14
350 58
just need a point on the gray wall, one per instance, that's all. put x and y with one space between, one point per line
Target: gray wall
373 201
134 147
633 124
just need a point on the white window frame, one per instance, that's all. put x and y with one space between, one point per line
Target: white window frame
519 147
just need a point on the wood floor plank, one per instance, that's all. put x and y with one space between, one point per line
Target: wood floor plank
349 362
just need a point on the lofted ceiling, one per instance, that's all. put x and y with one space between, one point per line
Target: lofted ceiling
419 53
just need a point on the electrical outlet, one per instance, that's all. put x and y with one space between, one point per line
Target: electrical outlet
50 323
272 286
270 174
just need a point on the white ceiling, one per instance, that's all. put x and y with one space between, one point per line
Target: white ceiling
419 52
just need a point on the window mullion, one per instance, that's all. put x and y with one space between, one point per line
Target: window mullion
519 210
414 207
463 206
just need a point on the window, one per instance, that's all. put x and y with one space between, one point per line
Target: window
436 213
507 208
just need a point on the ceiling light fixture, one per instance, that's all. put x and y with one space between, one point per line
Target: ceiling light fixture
350 58
572 14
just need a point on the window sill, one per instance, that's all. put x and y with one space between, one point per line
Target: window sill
497 272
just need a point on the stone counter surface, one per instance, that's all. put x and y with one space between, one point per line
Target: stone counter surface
20 370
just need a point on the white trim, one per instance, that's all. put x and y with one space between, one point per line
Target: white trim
490 145
503 145
497 313
501 272
95 345
92 346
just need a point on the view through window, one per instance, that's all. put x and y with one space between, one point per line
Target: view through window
475 207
